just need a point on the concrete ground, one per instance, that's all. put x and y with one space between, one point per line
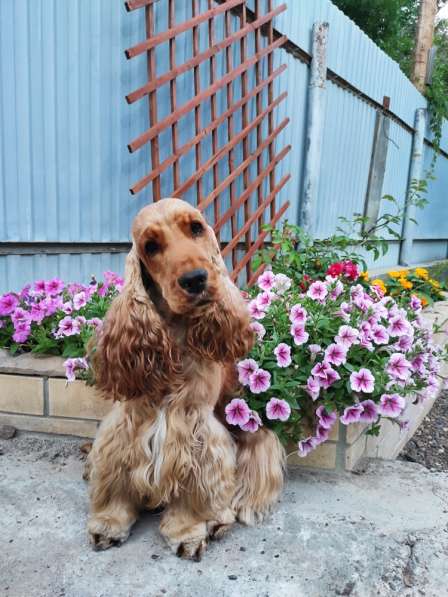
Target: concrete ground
381 532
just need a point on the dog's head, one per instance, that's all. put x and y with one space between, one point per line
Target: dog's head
174 272
179 252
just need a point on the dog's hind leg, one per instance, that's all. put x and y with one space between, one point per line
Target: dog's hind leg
260 474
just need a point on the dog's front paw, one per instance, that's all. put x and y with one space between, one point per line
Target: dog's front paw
192 549
105 532
218 528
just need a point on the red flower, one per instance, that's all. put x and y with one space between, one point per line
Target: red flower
351 270
305 282
335 269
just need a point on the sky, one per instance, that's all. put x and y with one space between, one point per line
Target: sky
443 12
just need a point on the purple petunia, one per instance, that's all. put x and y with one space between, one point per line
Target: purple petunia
362 381
255 310
352 414
326 419
299 334
347 336
259 381
317 291
278 409
79 300
415 303
237 412
22 330
313 387
266 281
298 314
55 286
336 354
259 330
379 334
369 412
253 424
245 369
68 327
71 365
398 367
306 446
264 299
391 405
398 326
8 303
283 354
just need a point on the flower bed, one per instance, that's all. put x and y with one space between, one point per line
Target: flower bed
335 358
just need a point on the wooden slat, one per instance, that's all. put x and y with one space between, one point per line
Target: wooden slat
242 167
213 112
197 91
211 128
173 95
228 147
133 4
151 69
151 42
258 102
166 122
247 193
257 244
250 220
202 57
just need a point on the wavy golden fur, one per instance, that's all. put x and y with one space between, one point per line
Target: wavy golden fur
166 356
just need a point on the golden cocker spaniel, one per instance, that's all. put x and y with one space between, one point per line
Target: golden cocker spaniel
166 356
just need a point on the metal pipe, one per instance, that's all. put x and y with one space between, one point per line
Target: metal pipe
314 126
415 175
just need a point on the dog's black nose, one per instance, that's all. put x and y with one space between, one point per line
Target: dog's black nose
194 282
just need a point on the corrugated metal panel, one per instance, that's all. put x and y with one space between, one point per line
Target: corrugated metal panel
64 167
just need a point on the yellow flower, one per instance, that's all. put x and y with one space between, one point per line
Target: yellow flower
422 273
434 283
380 285
424 301
405 283
394 274
364 276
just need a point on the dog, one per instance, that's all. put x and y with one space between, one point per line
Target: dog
166 357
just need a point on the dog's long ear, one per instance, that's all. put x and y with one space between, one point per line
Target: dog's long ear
134 355
222 331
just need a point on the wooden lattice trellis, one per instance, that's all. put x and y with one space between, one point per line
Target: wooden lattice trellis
257 166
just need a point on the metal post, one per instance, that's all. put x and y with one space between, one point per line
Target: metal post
315 121
415 175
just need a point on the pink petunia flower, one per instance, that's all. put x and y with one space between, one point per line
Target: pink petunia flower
68 327
96 322
321 435
299 334
266 281
237 412
278 409
326 419
264 299
22 330
398 326
313 387
391 405
362 381
55 286
379 334
255 310
20 315
51 304
71 365
347 336
253 424
415 303
8 303
24 294
39 286
298 314
259 381
67 308
369 412
321 369
283 354
79 300
245 370
418 364
38 311
331 378
398 367
336 354
337 290
282 283
404 425
306 446
259 329
404 343
352 414
317 291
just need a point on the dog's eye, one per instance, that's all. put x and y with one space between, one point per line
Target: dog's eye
151 247
196 228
